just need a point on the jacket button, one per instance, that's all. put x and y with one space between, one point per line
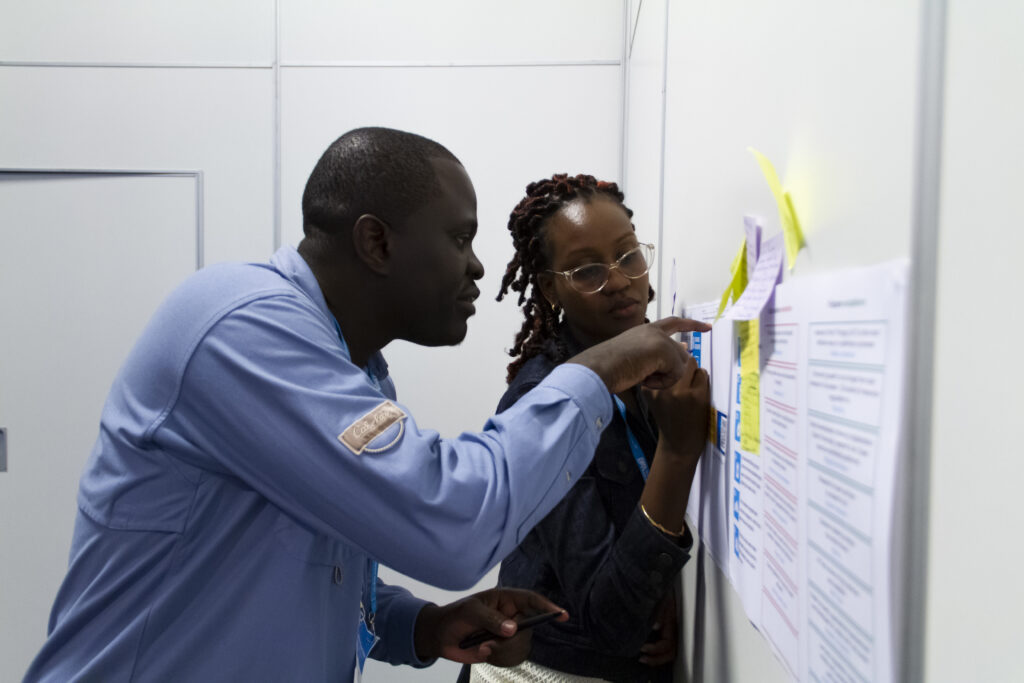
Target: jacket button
657 577
337 575
622 467
664 561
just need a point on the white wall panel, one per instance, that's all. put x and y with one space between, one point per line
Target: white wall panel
314 31
84 261
181 32
509 126
644 116
975 595
219 121
827 90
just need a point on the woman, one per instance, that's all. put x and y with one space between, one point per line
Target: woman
610 552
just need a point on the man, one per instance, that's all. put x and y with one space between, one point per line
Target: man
252 464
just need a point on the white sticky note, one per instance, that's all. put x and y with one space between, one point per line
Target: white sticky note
762 281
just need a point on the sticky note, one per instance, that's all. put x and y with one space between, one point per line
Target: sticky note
787 213
762 283
793 233
738 282
750 385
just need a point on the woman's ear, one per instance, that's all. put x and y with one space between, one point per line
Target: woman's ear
371 240
546 281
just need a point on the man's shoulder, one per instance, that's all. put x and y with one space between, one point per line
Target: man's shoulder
222 287
209 296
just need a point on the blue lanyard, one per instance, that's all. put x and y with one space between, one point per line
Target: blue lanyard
373 589
634 445
376 384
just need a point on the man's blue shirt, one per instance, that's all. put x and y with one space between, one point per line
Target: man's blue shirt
246 474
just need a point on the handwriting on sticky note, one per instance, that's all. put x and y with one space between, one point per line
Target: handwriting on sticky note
762 282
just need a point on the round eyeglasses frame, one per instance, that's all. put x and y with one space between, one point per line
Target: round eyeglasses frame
645 250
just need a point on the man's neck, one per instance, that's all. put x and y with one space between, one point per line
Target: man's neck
351 303
359 333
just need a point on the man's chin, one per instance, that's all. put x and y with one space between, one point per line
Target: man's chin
453 336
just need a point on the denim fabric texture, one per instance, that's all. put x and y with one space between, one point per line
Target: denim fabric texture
596 555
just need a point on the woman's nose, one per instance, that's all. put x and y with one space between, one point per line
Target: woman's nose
616 281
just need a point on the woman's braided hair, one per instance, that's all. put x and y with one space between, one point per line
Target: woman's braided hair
544 198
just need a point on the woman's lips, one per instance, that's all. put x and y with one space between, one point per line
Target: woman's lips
624 309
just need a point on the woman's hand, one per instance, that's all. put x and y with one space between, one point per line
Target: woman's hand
681 411
663 650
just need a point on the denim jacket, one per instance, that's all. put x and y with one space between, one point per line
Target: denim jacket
596 555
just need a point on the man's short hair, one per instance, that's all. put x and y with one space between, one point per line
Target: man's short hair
379 171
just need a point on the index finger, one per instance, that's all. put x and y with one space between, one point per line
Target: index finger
672 324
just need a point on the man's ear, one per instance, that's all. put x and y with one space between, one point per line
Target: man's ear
371 239
546 281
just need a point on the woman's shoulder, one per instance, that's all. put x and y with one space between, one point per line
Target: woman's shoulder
529 376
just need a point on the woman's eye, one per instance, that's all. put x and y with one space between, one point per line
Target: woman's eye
630 258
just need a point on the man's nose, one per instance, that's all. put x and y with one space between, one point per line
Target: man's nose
475 269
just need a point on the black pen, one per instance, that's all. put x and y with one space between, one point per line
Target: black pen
474 639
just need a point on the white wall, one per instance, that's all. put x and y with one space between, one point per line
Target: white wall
974 593
245 96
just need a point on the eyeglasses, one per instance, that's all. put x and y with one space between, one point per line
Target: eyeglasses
592 277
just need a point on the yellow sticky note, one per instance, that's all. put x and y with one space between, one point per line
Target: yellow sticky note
791 231
738 282
750 385
771 176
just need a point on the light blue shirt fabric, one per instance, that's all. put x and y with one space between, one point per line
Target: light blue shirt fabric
224 531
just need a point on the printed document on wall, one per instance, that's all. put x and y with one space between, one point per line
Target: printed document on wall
804 528
707 506
831 405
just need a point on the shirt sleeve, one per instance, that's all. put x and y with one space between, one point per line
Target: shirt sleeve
268 394
397 610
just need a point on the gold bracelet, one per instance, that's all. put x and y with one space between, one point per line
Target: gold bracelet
673 534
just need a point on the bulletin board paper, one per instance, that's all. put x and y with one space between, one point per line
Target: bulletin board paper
804 528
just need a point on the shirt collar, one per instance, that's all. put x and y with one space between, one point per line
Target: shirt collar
289 263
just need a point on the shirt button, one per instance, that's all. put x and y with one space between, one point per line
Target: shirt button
568 477
337 575
599 422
